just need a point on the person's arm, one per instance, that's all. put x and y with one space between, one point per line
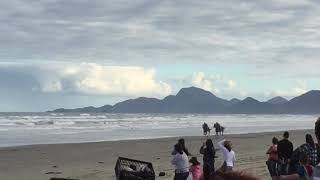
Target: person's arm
269 150
187 152
202 149
222 148
174 152
291 150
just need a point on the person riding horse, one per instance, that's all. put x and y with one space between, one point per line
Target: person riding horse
206 129
218 128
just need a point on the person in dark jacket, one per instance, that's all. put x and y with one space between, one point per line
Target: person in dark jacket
209 155
185 150
285 150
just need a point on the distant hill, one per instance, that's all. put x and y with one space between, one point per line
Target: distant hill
196 100
277 100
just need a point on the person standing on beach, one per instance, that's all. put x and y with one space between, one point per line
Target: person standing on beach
209 154
272 162
296 169
181 163
229 156
285 150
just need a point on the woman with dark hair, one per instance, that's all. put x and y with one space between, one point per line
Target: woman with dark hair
185 150
209 155
310 148
273 159
181 163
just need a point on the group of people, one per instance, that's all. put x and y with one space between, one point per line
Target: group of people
218 128
285 163
207 171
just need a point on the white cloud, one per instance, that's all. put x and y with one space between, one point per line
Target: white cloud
298 90
95 79
199 80
213 83
232 84
52 86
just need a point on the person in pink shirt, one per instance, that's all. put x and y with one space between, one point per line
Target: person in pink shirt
195 169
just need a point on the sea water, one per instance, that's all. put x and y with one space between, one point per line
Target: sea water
50 128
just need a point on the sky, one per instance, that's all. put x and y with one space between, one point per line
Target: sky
75 53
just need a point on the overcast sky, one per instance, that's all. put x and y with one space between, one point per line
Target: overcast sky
74 53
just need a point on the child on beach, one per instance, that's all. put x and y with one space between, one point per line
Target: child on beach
195 168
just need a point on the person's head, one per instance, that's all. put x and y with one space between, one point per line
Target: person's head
309 139
228 145
181 142
209 144
303 159
274 140
194 161
178 148
317 129
286 135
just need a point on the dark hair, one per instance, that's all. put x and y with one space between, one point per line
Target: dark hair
309 139
227 145
303 158
286 134
182 142
317 129
209 144
194 161
274 140
178 148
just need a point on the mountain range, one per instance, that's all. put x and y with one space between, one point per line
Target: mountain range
196 100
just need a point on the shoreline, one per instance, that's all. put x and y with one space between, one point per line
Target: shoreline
151 138
96 160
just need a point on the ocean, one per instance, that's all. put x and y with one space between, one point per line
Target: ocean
51 128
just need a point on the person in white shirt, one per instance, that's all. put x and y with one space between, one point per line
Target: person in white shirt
228 155
181 162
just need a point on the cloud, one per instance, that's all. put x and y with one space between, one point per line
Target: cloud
159 32
214 83
232 84
299 89
95 79
199 80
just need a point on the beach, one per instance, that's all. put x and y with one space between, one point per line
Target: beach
96 161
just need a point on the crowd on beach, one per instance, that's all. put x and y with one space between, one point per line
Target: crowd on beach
284 162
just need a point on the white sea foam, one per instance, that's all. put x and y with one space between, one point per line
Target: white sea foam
20 129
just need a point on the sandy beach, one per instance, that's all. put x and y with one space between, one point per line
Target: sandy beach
96 161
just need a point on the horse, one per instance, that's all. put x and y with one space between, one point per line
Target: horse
219 129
